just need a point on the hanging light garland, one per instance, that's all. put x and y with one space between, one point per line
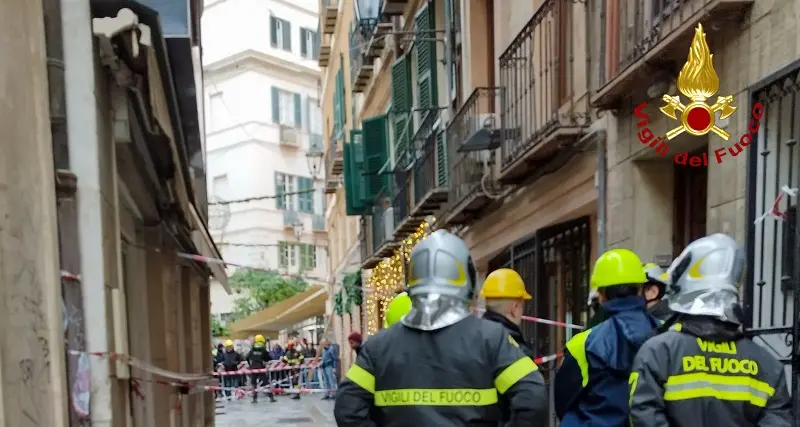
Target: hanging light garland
387 277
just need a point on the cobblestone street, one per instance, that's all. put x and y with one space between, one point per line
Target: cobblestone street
306 412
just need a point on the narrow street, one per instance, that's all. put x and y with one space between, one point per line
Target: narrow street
307 412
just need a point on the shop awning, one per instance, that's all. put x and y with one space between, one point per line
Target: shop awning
306 304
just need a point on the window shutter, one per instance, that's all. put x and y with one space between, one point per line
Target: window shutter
273 31
307 203
303 42
315 45
441 160
426 60
353 180
287 36
374 139
402 103
276 105
280 201
283 260
307 113
357 141
337 105
298 111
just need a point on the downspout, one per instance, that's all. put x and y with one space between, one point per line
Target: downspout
66 207
449 36
602 169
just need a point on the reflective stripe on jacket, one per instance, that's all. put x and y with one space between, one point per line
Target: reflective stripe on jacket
405 377
591 386
705 373
293 357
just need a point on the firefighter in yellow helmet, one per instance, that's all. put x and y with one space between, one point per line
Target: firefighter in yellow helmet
591 386
654 290
441 366
704 371
505 295
257 358
398 307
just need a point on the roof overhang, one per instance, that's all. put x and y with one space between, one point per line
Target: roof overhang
304 305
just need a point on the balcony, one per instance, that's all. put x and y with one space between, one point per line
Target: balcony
334 165
326 40
288 136
290 219
330 13
383 226
404 222
430 176
318 223
472 137
377 39
361 65
393 7
315 143
654 39
368 258
538 79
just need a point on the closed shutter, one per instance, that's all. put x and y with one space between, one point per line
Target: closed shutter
353 177
315 45
298 111
426 60
273 31
402 103
375 140
287 36
337 105
303 43
307 199
441 160
280 188
276 105
283 255
340 90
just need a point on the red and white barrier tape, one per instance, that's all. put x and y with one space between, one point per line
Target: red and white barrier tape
775 210
276 367
545 359
547 322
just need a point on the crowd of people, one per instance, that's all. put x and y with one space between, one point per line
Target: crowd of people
663 348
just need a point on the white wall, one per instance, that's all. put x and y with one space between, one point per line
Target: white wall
244 148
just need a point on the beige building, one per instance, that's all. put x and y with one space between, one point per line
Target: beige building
513 124
103 182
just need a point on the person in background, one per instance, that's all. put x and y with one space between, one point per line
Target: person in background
505 296
654 291
355 341
294 359
257 358
231 361
398 307
327 369
218 358
277 352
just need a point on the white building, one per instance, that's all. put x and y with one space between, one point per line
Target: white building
262 119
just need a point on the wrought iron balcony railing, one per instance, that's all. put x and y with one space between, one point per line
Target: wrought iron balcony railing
289 219
645 40
361 60
383 225
536 74
365 244
318 223
334 165
472 136
405 223
431 183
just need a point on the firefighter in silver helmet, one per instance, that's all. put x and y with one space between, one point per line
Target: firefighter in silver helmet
703 371
441 365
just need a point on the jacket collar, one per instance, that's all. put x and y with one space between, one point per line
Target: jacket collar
620 305
510 326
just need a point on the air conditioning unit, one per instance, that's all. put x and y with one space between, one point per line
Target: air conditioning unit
288 135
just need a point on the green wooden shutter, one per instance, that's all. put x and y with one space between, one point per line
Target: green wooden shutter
426 59
337 104
315 45
276 105
375 138
280 201
287 36
298 111
357 141
441 160
353 180
340 99
303 43
307 200
402 103
273 31
283 260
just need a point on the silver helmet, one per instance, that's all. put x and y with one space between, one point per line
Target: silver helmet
441 282
706 277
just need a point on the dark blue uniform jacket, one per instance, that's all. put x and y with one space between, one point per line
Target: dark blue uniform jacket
591 387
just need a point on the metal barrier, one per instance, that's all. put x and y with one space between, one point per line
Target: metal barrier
277 377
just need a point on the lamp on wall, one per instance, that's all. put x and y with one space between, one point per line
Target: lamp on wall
298 229
314 160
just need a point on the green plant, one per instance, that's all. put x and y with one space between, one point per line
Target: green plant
338 304
352 289
261 289
218 330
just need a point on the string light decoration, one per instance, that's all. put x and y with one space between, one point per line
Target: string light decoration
388 278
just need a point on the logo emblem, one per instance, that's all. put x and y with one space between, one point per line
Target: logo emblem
698 81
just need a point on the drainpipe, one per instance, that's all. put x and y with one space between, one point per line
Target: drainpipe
601 195
449 36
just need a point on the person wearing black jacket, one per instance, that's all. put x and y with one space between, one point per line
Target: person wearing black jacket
505 296
257 358
231 359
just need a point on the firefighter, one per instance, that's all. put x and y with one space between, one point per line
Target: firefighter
398 307
257 358
505 294
654 290
441 365
590 387
703 371
294 359
596 308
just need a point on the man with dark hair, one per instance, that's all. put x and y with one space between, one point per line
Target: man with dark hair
591 387
654 291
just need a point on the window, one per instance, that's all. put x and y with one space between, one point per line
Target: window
314 117
217 112
280 36
287 255
286 108
284 184
220 187
306 197
309 44
308 257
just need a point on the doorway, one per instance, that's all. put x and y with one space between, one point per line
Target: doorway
690 198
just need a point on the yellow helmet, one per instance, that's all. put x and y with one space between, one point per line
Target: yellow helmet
617 267
229 343
504 283
398 307
259 338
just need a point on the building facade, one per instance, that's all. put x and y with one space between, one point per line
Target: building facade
264 138
518 125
